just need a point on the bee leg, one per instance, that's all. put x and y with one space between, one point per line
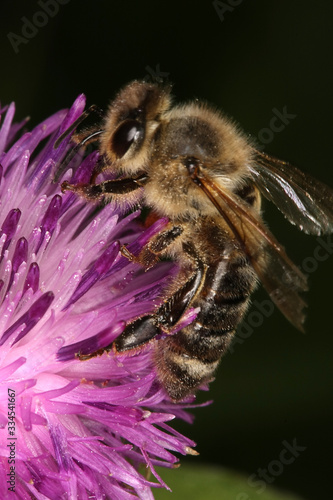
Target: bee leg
137 334
173 308
151 253
155 248
127 254
98 169
112 189
147 328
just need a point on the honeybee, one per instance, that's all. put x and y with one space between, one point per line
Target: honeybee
192 165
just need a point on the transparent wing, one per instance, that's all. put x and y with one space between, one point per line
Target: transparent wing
303 200
280 277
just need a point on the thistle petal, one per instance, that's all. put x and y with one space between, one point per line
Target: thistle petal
80 429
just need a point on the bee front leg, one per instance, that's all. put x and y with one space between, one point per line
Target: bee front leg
110 190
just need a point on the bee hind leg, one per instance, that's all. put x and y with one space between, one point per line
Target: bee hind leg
136 334
164 319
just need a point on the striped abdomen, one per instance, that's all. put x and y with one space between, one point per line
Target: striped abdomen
189 358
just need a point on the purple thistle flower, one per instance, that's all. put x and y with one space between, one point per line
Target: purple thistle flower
81 429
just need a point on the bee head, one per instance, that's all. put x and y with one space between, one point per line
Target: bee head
130 124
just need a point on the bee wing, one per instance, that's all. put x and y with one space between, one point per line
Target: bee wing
280 277
303 200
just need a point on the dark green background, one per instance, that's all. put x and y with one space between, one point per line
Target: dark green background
277 385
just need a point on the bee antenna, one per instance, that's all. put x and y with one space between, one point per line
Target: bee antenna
92 109
91 137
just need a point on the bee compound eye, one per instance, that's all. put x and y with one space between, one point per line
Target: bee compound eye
128 133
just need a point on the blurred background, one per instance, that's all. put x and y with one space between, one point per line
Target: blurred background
256 61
